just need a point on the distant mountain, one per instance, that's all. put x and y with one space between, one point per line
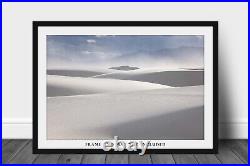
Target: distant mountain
185 57
167 52
179 52
126 68
181 56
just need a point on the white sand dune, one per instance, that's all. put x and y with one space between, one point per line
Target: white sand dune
161 113
68 86
172 78
74 73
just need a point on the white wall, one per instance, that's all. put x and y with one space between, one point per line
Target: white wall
17 52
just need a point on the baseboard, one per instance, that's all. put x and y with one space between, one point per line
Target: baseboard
236 130
17 131
23 130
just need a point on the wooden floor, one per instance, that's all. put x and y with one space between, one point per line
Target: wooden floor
230 152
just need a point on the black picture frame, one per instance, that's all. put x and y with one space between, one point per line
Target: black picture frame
37 24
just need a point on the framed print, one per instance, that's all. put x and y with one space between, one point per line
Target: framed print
125 86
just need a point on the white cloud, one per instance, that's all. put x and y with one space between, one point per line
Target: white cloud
92 52
91 41
86 52
99 54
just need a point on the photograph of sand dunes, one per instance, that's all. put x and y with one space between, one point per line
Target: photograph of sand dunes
131 86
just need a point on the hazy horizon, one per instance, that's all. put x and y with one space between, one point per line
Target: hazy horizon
162 51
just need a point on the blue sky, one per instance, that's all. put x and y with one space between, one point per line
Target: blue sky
102 49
